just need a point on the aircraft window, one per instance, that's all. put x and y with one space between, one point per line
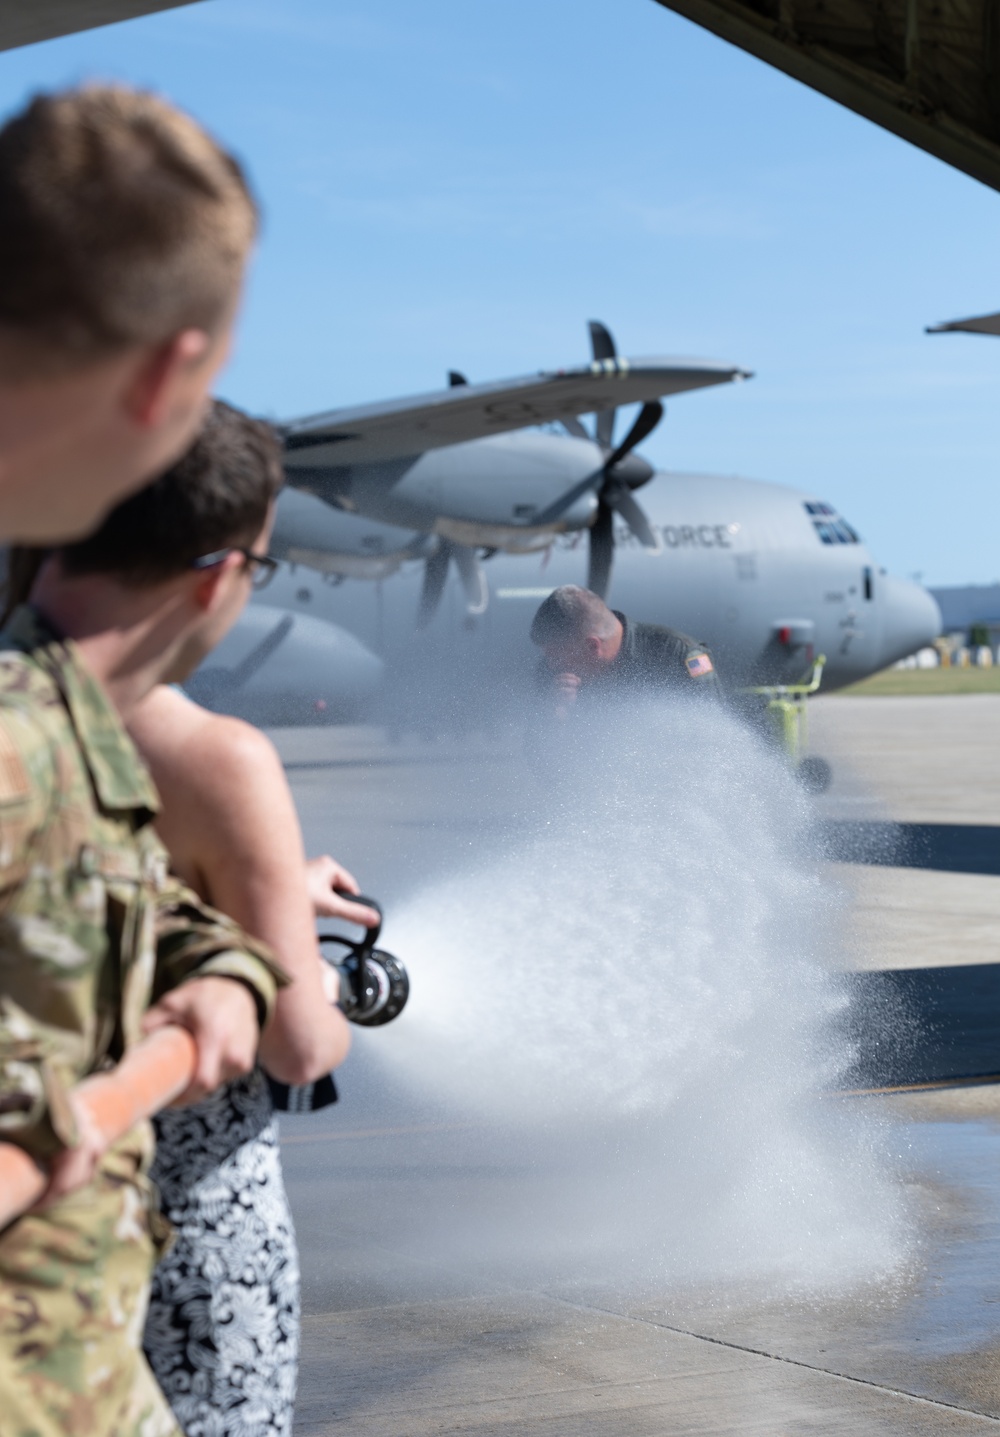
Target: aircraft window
835 531
816 508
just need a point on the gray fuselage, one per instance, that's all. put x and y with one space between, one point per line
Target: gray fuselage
744 566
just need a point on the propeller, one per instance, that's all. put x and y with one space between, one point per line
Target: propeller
620 474
473 580
614 496
446 552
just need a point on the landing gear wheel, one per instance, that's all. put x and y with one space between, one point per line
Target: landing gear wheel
815 774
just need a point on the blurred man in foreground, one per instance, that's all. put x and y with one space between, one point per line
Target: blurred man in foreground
98 943
124 237
594 650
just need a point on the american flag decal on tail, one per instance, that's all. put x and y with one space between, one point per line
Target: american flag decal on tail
699 664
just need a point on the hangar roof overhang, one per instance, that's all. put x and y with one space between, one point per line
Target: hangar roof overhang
24 23
978 324
929 70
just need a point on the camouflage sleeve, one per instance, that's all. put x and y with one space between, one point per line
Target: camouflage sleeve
35 1082
27 783
700 669
195 941
35 1077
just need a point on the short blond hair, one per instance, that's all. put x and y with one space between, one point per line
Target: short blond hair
123 223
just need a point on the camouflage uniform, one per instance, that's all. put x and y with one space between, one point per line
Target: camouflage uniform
92 930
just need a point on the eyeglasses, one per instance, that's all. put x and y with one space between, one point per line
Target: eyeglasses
262 567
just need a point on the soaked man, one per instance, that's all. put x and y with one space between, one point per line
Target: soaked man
590 649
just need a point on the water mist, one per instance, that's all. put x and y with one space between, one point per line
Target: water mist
636 1009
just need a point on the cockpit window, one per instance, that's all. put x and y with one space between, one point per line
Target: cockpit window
830 528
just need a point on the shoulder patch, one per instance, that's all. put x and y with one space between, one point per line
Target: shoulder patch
698 665
14 781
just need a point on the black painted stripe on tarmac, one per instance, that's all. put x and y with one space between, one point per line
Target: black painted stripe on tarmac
945 847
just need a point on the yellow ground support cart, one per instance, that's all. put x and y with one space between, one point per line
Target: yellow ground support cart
785 713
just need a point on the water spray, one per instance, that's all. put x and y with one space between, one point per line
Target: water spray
630 1000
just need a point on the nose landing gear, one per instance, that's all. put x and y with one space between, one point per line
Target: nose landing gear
785 712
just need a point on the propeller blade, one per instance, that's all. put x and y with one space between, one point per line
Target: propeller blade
474 581
619 496
566 501
646 421
602 548
602 346
435 574
573 427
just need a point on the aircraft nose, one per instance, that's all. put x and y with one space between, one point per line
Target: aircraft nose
911 618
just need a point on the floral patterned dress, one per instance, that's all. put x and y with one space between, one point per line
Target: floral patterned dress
223 1327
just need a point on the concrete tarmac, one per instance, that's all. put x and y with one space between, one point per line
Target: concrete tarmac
402 1336
917 761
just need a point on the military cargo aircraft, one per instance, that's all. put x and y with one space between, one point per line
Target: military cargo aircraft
459 546
766 575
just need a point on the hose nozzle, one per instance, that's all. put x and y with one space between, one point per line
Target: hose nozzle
374 985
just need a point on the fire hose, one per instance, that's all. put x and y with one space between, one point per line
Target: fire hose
373 990
148 1078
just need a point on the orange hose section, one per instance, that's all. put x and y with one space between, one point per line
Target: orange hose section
148 1078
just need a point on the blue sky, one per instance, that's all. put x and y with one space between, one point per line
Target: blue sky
464 185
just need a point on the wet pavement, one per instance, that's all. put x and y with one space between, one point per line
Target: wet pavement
407 1332
400 1339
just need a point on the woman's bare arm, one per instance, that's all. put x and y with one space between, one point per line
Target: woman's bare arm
230 825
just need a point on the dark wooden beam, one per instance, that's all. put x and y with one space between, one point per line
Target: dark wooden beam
933 84
25 22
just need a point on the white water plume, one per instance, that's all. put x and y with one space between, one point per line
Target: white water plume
640 997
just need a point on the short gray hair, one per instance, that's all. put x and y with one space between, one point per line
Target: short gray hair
571 613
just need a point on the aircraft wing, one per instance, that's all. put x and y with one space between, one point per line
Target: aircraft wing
400 427
979 324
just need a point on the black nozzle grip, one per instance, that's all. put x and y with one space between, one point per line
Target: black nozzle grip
371 934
